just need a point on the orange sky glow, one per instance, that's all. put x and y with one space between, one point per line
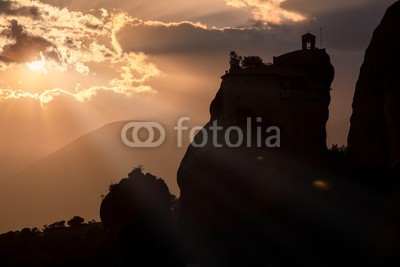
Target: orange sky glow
67 67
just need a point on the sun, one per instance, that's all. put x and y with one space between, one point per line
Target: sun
39 65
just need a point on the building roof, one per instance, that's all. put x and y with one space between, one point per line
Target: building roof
308 35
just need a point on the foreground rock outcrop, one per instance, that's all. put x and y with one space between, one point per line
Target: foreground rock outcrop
253 203
137 220
374 138
291 202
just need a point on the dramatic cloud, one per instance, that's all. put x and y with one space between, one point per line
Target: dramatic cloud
88 44
267 11
220 13
326 6
71 42
192 39
24 47
11 8
210 12
103 50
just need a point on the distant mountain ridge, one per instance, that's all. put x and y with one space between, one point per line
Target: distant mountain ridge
71 181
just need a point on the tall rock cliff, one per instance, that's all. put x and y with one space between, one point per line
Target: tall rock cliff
374 138
277 206
238 201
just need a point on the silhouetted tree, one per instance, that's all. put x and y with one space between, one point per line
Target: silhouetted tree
338 150
75 221
252 62
337 156
59 224
74 246
235 60
174 203
25 231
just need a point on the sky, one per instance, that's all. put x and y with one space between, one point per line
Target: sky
70 66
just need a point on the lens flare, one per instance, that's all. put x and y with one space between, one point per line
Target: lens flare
322 185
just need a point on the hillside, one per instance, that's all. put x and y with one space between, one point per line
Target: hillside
58 246
72 180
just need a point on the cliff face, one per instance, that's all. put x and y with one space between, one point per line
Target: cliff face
374 138
266 206
292 93
233 199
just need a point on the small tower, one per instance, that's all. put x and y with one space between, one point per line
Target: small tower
308 41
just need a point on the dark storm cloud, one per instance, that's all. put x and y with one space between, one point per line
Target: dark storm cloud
7 8
26 48
186 38
346 27
318 6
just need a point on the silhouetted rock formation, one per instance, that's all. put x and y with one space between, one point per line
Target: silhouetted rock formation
374 139
136 216
292 93
251 205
